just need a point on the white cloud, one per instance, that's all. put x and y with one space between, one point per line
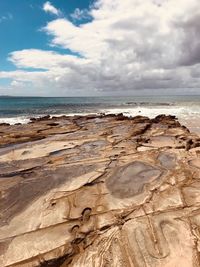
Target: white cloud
49 8
80 14
40 59
8 16
129 45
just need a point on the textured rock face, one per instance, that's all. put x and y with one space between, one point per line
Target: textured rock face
99 191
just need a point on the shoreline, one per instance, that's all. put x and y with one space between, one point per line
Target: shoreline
190 120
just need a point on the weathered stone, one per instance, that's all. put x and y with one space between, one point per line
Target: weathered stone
101 190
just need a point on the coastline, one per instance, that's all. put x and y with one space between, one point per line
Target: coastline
100 133
186 116
20 109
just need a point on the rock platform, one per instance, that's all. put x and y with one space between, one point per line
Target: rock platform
99 191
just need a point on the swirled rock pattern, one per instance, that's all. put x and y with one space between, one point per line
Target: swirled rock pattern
99 191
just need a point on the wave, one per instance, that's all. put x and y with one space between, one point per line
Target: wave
26 119
15 120
149 111
149 104
145 111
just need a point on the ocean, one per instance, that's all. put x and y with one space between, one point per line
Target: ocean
20 109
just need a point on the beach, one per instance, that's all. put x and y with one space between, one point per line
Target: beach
94 190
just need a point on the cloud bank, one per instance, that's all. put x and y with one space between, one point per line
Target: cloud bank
128 46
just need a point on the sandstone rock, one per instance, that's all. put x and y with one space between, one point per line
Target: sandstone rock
99 191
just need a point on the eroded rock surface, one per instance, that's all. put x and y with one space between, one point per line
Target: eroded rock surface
99 191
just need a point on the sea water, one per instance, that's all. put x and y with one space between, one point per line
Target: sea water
21 109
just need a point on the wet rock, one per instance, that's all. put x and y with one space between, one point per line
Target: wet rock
130 180
43 118
4 124
167 160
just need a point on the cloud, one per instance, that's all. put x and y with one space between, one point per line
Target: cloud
80 14
8 16
126 46
40 59
190 46
49 8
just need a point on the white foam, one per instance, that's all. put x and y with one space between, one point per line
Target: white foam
180 112
26 119
72 114
152 112
15 120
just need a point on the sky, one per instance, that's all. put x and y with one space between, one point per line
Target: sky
99 47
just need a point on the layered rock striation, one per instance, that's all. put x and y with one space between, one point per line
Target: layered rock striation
99 191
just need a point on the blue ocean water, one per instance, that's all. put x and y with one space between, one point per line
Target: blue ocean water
19 108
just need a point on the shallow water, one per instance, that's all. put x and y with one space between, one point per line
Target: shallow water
20 109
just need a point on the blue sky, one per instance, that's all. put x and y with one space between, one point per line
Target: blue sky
23 20
99 47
